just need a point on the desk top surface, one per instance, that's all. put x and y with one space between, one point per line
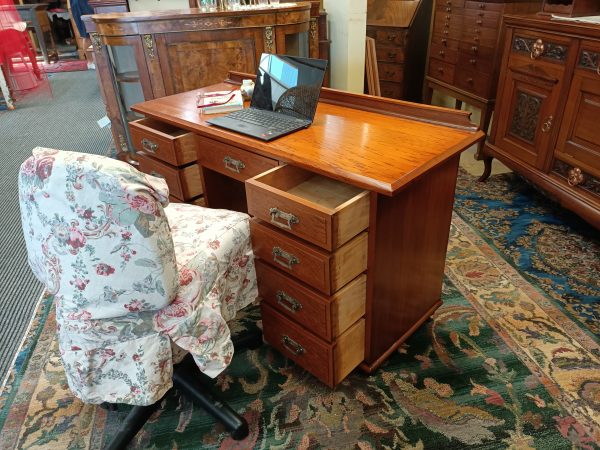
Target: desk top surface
375 151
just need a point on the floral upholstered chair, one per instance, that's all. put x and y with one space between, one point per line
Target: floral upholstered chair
138 283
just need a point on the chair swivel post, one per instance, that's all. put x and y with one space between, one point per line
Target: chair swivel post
133 423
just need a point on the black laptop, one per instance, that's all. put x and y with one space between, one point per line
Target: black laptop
286 93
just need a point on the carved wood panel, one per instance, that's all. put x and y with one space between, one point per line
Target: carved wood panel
552 50
195 59
526 115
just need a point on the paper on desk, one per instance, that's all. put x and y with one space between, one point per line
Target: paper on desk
584 19
103 122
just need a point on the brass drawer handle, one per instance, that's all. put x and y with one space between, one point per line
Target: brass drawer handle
537 49
474 48
470 80
440 70
448 9
149 146
442 52
445 42
547 125
391 55
391 37
575 176
446 32
283 219
473 61
154 173
482 6
284 259
292 345
288 302
235 165
479 22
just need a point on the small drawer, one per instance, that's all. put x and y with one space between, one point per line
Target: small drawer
321 210
485 37
444 4
475 62
163 141
324 271
231 161
484 6
441 70
390 37
472 80
391 89
390 54
327 317
488 19
185 184
330 363
443 53
391 72
479 51
445 42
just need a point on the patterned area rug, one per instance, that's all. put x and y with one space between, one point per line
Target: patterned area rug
65 65
511 359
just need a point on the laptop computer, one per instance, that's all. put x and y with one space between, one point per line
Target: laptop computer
285 97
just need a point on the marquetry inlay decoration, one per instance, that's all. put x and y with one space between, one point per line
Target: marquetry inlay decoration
96 41
551 50
576 177
589 60
269 40
149 44
313 28
526 116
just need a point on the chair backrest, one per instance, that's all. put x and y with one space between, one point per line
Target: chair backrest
96 234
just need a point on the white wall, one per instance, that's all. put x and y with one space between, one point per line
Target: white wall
347 29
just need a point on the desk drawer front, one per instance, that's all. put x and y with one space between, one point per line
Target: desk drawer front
231 161
391 72
322 211
441 70
163 141
390 54
184 183
327 317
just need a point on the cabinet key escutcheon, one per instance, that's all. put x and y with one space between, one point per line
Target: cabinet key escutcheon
547 125
284 258
235 165
292 345
149 146
537 49
288 302
283 219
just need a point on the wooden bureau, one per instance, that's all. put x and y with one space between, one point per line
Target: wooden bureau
350 222
548 102
464 51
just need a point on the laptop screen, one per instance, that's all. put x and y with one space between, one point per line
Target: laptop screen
289 85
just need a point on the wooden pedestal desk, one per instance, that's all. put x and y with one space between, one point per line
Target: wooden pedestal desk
351 219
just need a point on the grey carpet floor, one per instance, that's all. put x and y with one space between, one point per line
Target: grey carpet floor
66 121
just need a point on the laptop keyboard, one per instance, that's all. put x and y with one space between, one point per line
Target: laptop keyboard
267 119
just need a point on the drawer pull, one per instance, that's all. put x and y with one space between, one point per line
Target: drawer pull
445 42
284 259
391 37
287 302
537 49
470 80
473 61
476 38
283 219
479 22
440 70
149 146
235 165
474 48
154 173
547 124
447 16
448 9
446 32
292 345
392 55
442 52
481 5
574 176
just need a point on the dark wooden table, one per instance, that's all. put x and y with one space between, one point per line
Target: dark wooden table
35 16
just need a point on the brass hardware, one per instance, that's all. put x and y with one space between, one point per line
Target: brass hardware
476 38
446 32
234 165
123 143
391 37
96 41
448 2
470 80
149 146
547 124
481 5
149 43
537 49
313 28
154 173
472 61
283 219
284 259
575 176
288 302
477 31
448 9
474 48
448 17
442 52
440 70
269 41
292 345
446 24
445 42
392 55
479 22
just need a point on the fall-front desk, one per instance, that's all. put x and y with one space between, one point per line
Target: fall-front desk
350 217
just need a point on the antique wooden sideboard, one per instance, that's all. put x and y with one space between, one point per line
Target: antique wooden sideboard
400 30
464 51
145 55
351 217
548 105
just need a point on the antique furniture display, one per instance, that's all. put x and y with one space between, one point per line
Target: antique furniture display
571 7
464 51
34 14
351 219
132 273
400 29
146 55
548 105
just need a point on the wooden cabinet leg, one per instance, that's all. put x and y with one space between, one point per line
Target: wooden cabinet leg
458 104
487 168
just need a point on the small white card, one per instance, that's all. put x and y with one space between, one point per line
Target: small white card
103 122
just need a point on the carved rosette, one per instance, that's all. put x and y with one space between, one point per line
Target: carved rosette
526 116
576 177
149 44
269 40
96 41
313 28
589 60
553 51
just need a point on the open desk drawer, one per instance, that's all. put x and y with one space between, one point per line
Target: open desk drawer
323 211
163 141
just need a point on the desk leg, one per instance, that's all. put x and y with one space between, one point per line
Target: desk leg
484 124
40 36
